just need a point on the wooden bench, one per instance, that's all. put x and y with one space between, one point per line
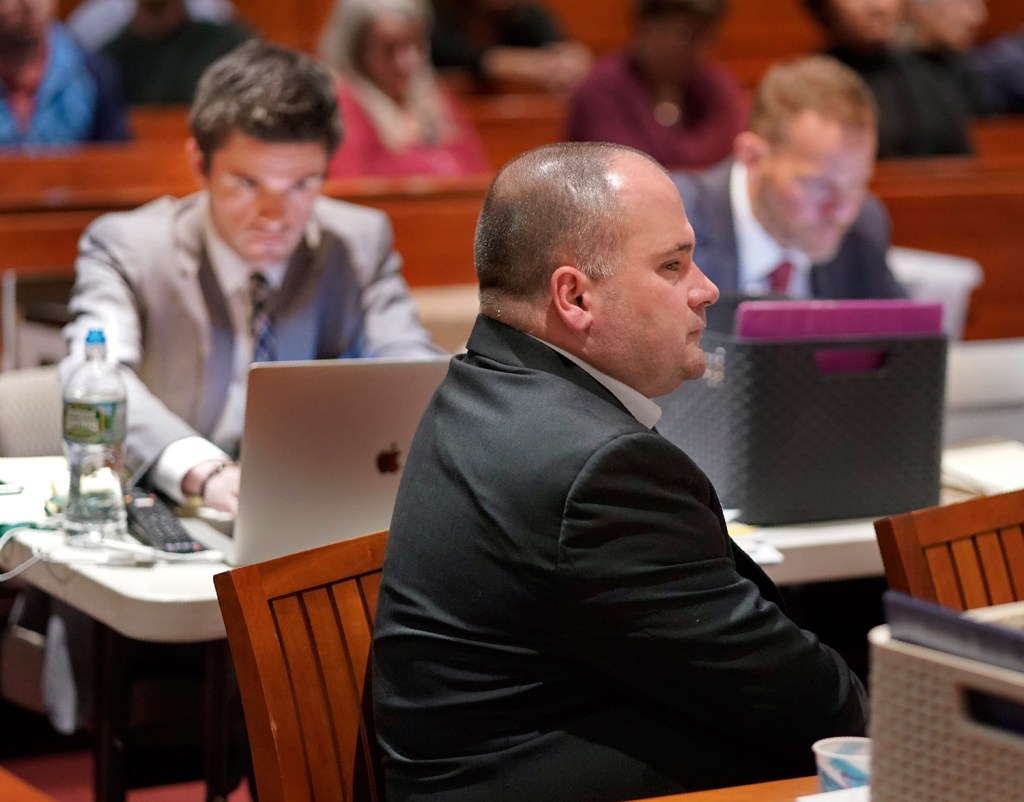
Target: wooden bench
434 220
964 206
97 177
508 124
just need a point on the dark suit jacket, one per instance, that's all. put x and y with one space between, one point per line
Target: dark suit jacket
562 614
858 270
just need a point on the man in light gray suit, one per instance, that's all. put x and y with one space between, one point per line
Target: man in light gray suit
795 192
170 281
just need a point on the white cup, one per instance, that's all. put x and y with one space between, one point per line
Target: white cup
843 762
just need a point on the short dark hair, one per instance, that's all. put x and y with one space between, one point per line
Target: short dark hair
552 205
708 11
267 92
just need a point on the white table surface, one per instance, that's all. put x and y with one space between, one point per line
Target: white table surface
165 602
176 602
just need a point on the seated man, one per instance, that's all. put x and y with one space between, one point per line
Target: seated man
562 613
662 94
794 194
925 105
171 282
51 91
163 51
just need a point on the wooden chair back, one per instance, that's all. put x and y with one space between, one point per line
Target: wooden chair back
299 628
964 555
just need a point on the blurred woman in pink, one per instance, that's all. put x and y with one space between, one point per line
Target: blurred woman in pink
397 119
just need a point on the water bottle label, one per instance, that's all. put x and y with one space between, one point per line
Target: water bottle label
94 423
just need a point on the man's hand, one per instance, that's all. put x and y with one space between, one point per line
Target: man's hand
215 483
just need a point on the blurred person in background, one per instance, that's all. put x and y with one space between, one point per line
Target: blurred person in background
948 30
661 94
93 23
162 52
795 192
924 107
398 119
507 42
945 26
51 91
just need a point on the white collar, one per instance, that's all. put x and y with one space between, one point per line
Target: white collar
639 406
759 253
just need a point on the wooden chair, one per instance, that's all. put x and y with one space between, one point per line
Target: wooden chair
964 555
299 628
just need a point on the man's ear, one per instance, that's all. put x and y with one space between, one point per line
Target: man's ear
196 161
750 148
570 295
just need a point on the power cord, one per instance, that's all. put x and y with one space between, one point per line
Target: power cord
106 551
14 529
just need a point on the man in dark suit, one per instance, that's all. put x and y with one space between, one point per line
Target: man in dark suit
562 613
795 192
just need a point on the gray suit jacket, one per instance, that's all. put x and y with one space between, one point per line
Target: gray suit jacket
144 277
562 614
858 270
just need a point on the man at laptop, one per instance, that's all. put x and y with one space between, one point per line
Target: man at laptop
562 613
789 212
257 266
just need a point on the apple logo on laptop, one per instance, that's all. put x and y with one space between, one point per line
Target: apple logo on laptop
387 460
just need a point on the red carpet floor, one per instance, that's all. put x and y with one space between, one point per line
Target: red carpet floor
67 777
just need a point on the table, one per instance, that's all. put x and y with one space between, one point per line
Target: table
161 603
818 552
777 791
177 603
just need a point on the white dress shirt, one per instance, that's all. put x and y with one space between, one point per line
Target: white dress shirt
232 274
759 254
640 406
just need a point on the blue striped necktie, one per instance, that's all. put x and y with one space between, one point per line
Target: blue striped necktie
264 344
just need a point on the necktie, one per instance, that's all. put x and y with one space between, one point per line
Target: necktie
778 279
264 345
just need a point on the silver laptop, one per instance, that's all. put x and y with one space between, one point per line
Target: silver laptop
322 452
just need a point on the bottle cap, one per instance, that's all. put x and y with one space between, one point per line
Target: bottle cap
95 337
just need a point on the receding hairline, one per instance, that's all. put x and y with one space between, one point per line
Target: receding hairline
551 206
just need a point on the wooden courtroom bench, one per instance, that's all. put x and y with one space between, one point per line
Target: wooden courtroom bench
962 206
159 122
998 136
966 207
511 123
508 123
433 221
98 177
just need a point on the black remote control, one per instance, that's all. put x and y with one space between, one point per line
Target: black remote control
156 525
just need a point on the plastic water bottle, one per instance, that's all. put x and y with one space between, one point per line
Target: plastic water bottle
94 428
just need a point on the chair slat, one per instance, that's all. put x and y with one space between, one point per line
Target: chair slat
968 568
995 575
944 577
964 555
1013 547
300 630
307 693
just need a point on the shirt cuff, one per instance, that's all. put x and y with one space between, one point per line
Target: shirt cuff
178 459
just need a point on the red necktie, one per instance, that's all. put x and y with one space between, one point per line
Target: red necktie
778 279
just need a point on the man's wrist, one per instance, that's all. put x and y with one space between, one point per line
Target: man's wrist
193 485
